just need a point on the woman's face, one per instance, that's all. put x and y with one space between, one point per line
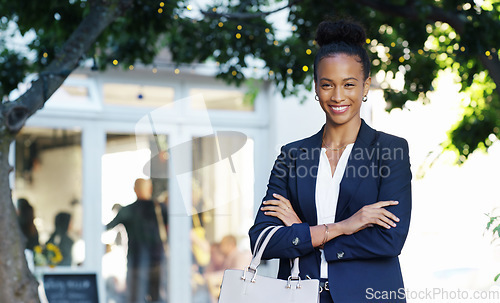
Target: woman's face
340 86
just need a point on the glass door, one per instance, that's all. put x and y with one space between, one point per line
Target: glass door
48 194
134 211
222 209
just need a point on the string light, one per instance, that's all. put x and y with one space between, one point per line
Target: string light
487 53
239 27
234 73
420 52
305 68
308 51
45 55
177 71
115 62
155 70
289 71
214 9
271 73
368 41
131 67
462 49
275 42
189 7
238 36
162 4
393 44
267 30
221 24
160 10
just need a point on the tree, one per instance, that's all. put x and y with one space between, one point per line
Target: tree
415 39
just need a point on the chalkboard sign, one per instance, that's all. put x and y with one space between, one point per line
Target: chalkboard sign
71 288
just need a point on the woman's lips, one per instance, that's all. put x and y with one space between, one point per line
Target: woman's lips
339 109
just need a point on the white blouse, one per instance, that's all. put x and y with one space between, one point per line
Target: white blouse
327 193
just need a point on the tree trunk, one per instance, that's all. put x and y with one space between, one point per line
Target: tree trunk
17 284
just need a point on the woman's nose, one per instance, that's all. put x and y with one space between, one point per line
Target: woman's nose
337 95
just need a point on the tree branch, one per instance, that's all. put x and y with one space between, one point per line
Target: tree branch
101 14
492 64
240 16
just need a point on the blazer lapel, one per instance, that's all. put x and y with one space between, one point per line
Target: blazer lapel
358 167
306 171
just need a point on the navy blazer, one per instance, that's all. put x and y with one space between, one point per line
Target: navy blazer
364 266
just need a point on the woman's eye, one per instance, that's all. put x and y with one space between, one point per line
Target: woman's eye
349 85
326 85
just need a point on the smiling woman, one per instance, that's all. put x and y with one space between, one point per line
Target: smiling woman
341 88
347 218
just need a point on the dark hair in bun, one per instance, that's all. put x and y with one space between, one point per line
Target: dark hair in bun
342 37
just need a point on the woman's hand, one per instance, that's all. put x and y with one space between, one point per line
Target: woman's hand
281 209
368 216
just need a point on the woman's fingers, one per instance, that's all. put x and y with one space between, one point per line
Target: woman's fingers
281 201
378 208
272 208
385 222
390 215
384 203
369 216
282 209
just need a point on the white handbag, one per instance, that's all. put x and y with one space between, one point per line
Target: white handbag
245 286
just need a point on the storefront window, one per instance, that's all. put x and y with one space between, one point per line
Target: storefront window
48 184
137 95
222 192
136 240
219 99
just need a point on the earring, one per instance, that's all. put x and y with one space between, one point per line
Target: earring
316 98
365 98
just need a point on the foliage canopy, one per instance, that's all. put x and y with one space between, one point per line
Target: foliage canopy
410 38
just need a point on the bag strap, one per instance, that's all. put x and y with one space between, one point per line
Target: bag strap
295 269
259 251
258 242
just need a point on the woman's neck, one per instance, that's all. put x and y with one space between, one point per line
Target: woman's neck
336 135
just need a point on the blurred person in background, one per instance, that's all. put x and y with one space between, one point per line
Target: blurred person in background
224 255
145 253
26 217
61 239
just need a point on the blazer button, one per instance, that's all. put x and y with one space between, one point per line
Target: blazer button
296 241
340 255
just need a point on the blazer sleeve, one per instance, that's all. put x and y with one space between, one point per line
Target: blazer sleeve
289 241
120 218
377 241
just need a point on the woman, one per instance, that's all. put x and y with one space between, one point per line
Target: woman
344 194
26 218
61 238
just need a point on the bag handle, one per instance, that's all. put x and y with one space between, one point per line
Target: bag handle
258 242
259 251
